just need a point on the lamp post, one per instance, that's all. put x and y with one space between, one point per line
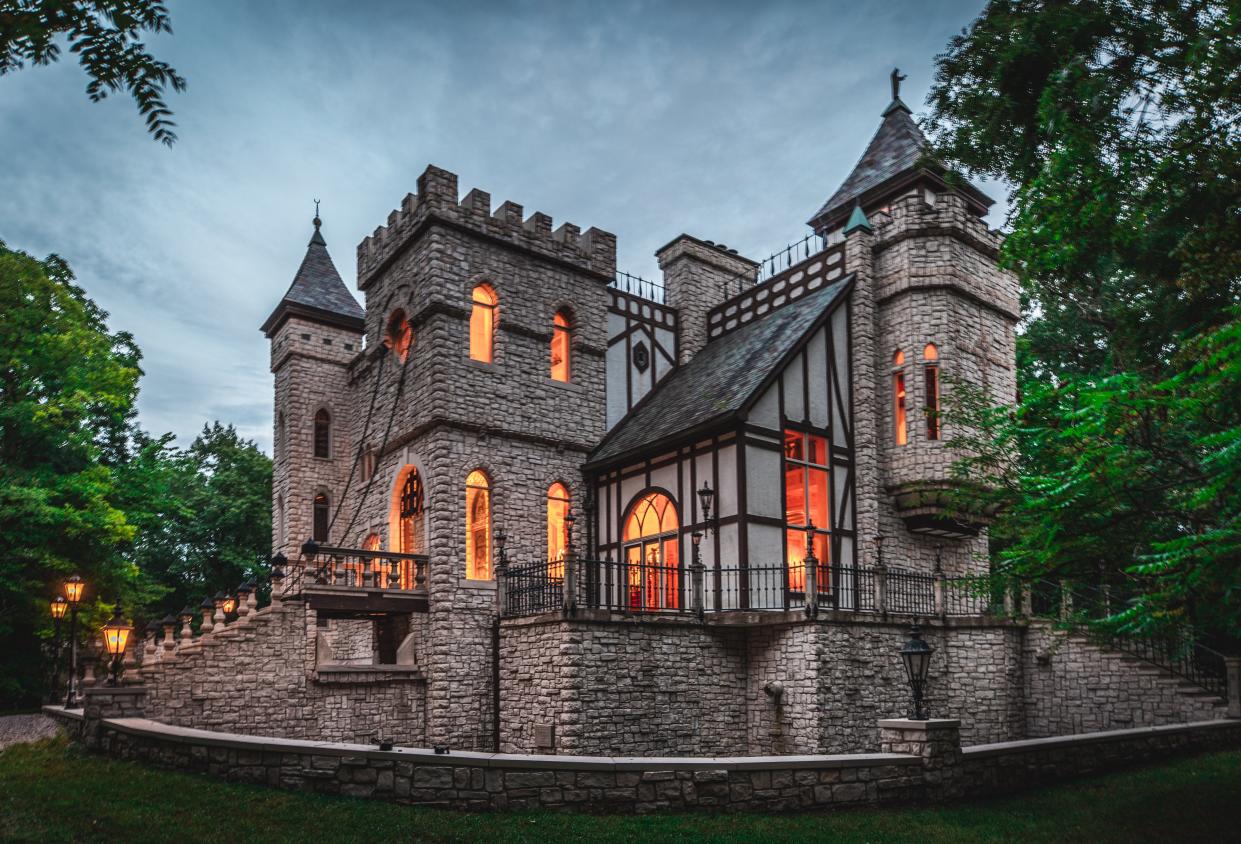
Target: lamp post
706 496
58 606
697 596
916 654
115 636
74 587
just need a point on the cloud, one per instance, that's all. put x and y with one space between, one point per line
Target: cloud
729 121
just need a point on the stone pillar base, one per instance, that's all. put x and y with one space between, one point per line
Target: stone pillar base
104 702
936 740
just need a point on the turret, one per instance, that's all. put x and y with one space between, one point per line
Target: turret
315 331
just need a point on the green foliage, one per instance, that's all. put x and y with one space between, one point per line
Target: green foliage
83 490
104 34
1119 125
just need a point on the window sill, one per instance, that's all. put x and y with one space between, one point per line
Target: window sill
483 365
469 583
570 386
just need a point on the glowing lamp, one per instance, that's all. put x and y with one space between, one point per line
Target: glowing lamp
59 606
73 589
115 637
229 604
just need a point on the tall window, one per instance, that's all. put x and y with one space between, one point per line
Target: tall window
930 372
899 398
805 501
399 335
483 323
557 511
280 435
320 517
653 553
562 334
477 527
323 434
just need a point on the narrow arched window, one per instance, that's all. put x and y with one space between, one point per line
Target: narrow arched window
323 434
483 323
399 335
930 381
899 398
653 553
321 516
557 513
280 435
562 335
477 527
279 521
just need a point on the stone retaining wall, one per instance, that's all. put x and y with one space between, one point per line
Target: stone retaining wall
921 761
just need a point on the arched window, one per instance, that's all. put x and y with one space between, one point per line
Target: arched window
410 513
399 335
321 516
899 399
371 543
323 434
477 527
483 323
279 521
557 511
930 380
653 553
562 334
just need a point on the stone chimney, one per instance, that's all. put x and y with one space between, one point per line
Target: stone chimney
698 275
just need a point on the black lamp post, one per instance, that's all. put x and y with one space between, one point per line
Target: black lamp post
115 636
74 587
568 531
706 496
916 654
698 599
58 606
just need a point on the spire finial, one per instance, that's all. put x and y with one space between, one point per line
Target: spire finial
897 79
317 221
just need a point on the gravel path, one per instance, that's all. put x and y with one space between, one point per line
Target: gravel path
15 729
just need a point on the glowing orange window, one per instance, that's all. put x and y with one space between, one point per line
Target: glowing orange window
652 553
400 336
899 398
562 334
557 512
806 503
483 323
930 379
477 527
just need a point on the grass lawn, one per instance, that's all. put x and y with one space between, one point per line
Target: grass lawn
52 791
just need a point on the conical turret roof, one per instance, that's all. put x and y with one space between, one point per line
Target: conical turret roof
317 292
895 156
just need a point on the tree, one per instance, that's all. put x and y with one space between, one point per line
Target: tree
104 34
1119 125
67 386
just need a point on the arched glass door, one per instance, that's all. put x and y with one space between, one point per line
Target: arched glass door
652 552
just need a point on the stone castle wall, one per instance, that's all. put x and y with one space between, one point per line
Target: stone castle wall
259 676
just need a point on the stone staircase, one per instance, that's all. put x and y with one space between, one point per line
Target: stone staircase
1161 675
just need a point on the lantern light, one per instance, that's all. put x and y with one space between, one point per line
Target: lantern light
115 637
59 606
706 496
229 604
73 589
916 654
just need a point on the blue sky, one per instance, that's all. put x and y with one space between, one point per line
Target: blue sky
732 122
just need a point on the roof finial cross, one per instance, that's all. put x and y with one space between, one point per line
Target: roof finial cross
317 221
897 78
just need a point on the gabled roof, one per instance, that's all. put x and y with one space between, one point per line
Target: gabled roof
719 382
317 292
899 147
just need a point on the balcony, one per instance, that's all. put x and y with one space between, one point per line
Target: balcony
352 581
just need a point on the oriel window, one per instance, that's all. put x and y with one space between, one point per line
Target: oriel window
483 323
900 421
930 380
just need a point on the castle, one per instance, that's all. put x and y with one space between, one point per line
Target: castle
523 502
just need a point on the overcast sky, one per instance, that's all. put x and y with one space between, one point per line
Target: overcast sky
732 122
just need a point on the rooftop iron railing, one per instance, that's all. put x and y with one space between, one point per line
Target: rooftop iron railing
637 286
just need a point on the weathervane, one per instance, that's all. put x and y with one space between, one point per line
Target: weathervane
897 78
317 221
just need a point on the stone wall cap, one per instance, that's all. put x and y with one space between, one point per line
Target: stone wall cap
911 724
57 711
426 756
114 691
980 751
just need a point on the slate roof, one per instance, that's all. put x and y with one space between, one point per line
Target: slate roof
717 382
896 147
317 291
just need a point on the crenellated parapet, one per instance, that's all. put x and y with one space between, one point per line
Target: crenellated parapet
436 202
